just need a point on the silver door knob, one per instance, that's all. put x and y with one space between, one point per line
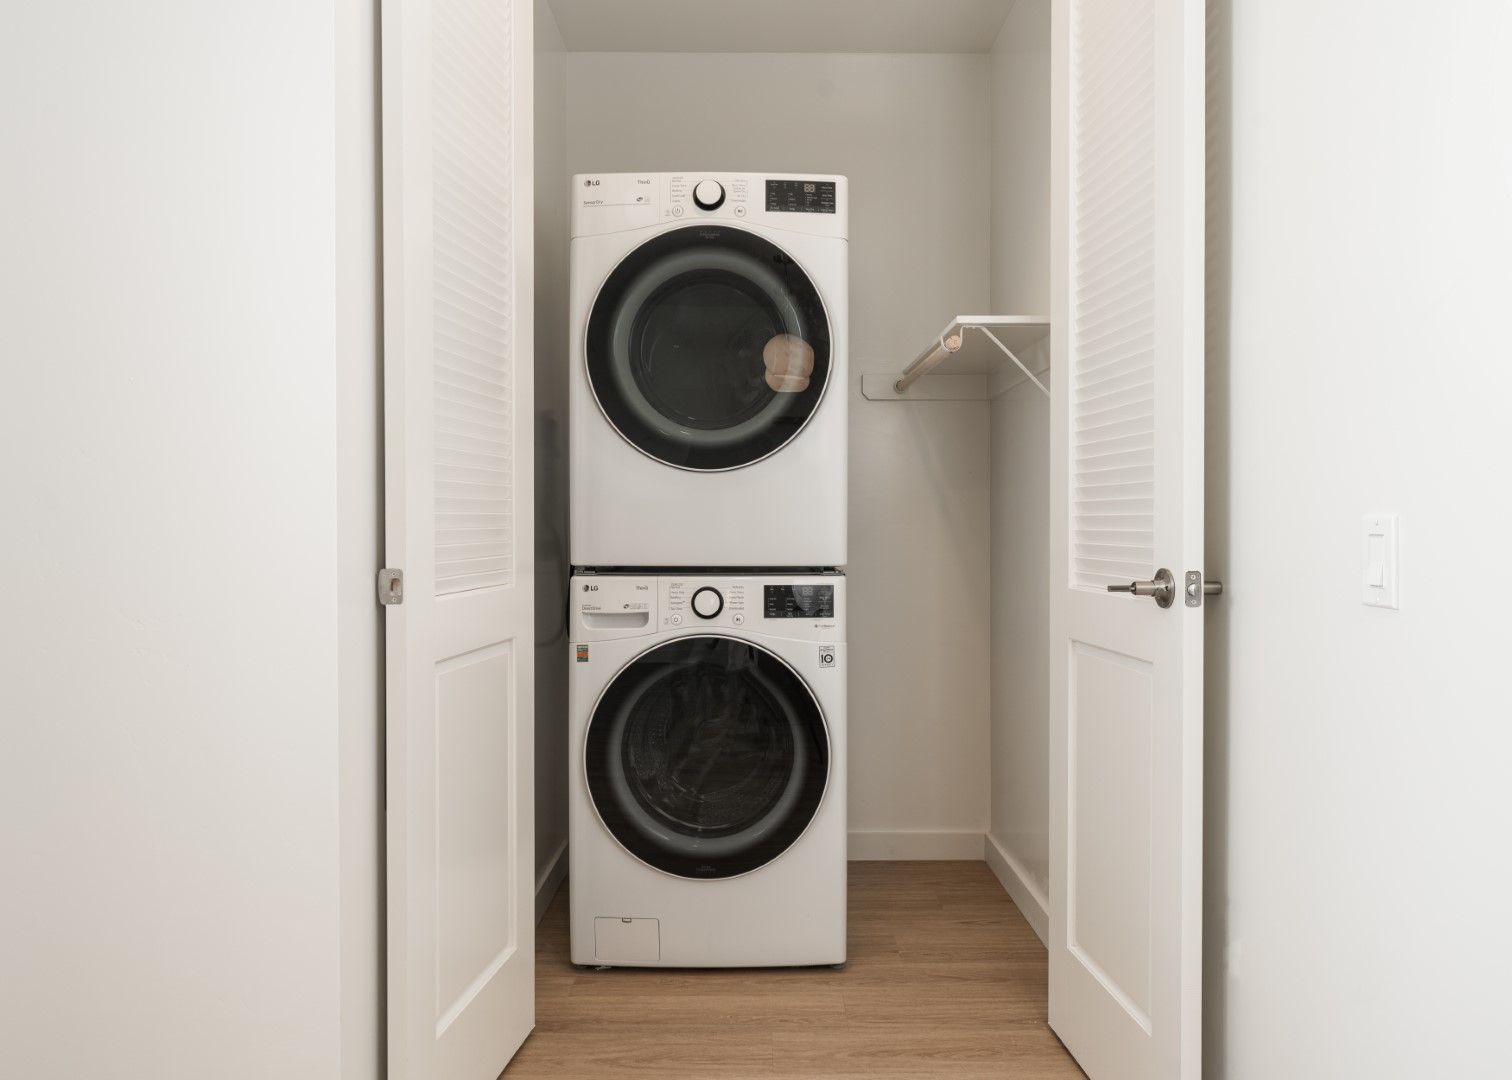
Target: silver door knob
1162 588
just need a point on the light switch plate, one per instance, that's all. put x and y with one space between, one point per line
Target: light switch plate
1378 585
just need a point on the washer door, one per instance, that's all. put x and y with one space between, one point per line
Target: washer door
707 757
708 348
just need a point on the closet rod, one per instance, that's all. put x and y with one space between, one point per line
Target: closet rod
929 361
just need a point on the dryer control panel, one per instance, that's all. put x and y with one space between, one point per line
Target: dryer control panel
619 202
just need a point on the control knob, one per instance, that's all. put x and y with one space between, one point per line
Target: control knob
709 195
707 602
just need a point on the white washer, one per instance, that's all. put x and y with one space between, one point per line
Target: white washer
707 785
708 358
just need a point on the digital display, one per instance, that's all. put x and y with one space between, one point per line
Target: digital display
800 196
799 601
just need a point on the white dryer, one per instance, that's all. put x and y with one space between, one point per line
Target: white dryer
707 783
708 357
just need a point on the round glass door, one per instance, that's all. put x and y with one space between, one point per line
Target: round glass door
708 348
707 757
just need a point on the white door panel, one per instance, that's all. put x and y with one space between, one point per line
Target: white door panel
458 394
1127 474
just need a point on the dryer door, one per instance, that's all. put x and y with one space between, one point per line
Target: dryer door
708 348
707 757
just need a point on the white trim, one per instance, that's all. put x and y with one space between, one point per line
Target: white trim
884 846
1028 897
549 880
359 543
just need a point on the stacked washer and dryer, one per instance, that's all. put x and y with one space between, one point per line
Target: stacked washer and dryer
708 472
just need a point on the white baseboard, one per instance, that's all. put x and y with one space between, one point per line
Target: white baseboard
550 880
881 846
1024 893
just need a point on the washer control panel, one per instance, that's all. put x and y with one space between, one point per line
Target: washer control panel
804 607
788 601
609 596
791 606
706 601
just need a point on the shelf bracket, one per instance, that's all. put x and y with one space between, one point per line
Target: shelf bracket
1009 354
971 376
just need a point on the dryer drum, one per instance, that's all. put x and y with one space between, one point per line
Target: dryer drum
707 757
708 348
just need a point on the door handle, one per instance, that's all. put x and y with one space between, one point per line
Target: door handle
1162 588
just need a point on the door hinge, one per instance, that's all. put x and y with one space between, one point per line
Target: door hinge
1196 588
390 587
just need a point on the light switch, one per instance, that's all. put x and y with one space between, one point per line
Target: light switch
1375 560
1379 588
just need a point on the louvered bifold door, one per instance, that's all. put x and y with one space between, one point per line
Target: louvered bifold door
457 265
1126 483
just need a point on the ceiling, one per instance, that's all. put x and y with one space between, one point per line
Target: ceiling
871 26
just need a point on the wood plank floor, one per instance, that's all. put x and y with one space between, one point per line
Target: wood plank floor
945 979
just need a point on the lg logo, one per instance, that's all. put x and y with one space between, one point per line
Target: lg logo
590 588
592 183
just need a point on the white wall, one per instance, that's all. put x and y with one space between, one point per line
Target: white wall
1020 66
552 570
1020 432
908 131
1020 647
1358 857
169 767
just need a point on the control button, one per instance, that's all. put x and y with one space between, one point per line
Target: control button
676 620
707 602
738 619
709 194
740 211
677 211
